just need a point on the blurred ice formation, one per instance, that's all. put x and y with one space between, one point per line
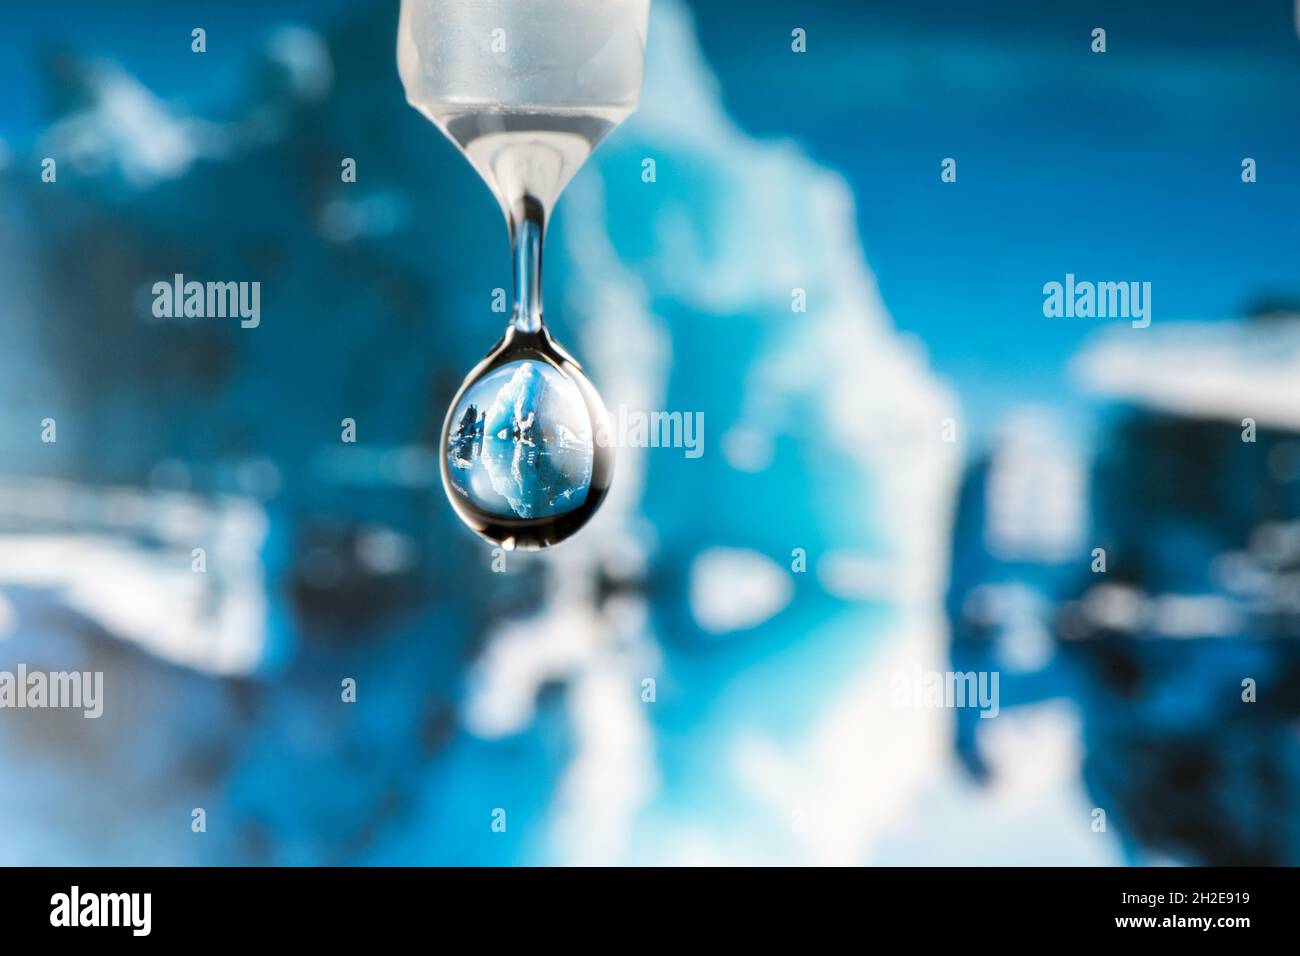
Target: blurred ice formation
733 589
1173 619
179 575
1214 371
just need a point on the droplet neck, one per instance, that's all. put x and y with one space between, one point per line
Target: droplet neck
527 219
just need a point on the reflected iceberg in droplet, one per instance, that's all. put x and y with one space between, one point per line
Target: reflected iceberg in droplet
522 443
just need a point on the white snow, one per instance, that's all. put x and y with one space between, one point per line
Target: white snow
130 567
1213 370
736 588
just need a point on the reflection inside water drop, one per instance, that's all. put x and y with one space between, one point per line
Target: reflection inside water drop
521 461
522 443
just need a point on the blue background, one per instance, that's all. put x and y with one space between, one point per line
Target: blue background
1117 166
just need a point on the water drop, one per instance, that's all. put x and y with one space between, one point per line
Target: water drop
523 457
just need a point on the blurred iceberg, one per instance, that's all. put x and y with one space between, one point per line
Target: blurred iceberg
135 565
1172 618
